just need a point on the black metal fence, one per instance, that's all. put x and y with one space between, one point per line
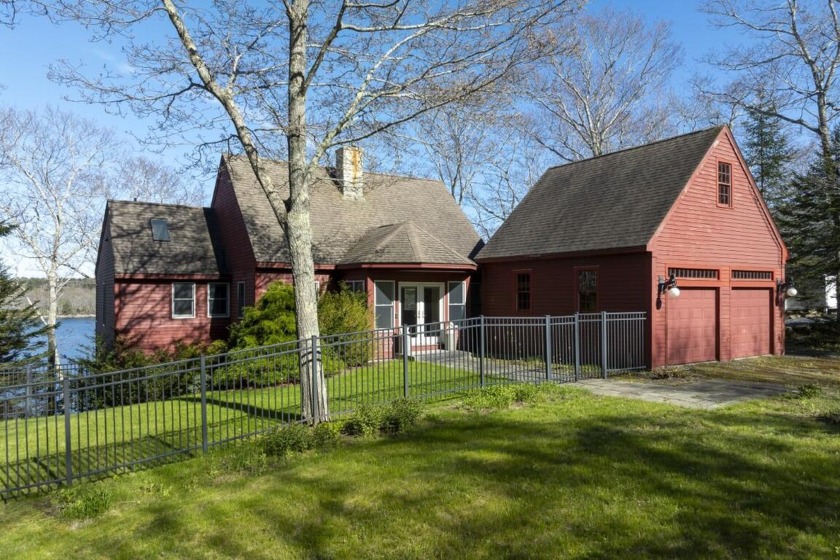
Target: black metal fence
57 426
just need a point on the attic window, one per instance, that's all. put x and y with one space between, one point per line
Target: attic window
160 229
724 184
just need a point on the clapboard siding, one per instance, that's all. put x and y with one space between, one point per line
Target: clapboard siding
235 240
699 230
144 316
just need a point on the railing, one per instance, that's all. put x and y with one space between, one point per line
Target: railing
57 426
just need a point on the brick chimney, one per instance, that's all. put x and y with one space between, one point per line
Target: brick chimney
348 168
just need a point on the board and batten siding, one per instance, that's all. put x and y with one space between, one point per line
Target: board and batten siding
699 233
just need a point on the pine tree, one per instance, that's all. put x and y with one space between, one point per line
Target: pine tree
768 153
19 325
810 219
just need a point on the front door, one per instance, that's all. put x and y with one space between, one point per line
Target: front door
421 312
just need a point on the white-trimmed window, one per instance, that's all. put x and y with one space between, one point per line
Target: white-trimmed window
383 301
218 302
183 300
240 299
457 301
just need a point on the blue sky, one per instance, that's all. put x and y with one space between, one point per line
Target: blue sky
29 49
34 44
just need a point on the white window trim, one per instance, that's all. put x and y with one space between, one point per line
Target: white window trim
450 303
210 303
391 305
176 316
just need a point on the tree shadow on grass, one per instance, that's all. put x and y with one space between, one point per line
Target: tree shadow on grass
604 487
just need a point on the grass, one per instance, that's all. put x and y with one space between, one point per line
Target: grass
573 476
116 438
790 370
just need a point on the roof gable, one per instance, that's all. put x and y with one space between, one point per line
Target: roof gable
403 243
340 226
192 247
615 201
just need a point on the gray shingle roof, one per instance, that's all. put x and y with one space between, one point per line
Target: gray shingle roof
612 201
403 243
192 248
340 225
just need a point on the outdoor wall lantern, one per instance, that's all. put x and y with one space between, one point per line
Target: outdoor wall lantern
668 285
786 287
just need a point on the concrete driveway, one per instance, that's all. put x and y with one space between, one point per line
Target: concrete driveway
705 394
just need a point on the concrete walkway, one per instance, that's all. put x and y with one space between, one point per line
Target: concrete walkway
706 394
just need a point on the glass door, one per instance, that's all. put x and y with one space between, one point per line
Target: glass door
421 312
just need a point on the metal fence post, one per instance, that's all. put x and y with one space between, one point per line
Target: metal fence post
481 350
548 363
313 370
604 343
577 346
68 440
405 343
203 380
28 390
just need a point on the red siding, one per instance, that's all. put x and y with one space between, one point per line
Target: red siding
144 316
235 241
699 230
700 233
622 284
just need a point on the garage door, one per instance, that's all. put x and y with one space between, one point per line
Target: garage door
692 326
750 324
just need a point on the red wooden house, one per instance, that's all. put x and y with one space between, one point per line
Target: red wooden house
167 273
609 233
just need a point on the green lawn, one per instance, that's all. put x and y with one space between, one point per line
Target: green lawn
578 476
33 451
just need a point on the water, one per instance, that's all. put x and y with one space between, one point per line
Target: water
74 336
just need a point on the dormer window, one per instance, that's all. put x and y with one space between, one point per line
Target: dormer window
160 229
724 183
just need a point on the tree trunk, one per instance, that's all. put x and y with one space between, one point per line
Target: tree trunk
52 318
297 227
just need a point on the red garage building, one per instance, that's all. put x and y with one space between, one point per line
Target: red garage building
613 232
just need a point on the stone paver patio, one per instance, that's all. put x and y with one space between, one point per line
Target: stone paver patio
705 394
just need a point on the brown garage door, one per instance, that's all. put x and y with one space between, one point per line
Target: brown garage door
692 326
750 324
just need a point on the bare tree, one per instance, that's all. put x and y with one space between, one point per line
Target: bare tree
294 78
516 162
793 59
54 191
141 178
609 90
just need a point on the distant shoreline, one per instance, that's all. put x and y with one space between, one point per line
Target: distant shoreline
59 317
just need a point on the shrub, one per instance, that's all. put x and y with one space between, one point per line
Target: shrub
366 421
87 501
287 439
392 418
326 435
401 414
344 315
270 321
